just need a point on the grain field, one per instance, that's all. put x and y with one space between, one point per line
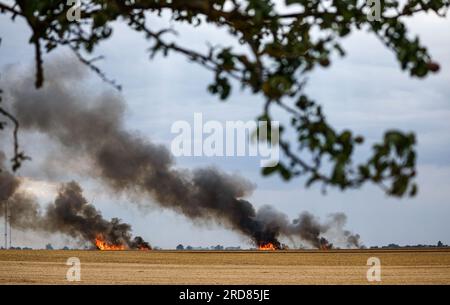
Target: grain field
209 267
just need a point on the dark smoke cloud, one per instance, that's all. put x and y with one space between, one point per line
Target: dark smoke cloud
69 214
92 126
72 215
307 227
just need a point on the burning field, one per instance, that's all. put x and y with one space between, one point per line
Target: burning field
123 163
71 214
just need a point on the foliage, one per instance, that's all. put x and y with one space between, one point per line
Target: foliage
282 50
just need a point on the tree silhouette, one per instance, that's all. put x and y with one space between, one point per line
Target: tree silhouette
282 50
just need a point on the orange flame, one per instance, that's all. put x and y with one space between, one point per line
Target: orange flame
267 247
101 244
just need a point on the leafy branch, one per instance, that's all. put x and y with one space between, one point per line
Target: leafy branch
279 51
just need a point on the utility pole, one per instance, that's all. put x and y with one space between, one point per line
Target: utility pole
6 225
10 235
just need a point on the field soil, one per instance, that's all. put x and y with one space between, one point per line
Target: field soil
211 267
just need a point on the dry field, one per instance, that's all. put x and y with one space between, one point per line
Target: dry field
244 267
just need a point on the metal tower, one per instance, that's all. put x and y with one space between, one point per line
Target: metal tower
6 225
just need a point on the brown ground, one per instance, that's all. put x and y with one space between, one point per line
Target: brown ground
244 267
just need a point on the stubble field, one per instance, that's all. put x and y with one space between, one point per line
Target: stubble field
210 267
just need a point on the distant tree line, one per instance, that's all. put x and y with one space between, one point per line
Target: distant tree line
181 247
395 246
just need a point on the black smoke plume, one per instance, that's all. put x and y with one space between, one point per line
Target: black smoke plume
91 126
69 214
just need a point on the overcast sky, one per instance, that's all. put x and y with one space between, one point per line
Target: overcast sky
366 91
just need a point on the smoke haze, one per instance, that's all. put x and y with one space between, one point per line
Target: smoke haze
90 127
69 214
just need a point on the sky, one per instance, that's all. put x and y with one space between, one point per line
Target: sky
365 91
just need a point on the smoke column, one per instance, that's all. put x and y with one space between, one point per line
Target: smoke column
91 126
69 214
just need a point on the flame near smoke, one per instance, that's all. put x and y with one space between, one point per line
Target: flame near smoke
129 164
69 214
267 247
102 244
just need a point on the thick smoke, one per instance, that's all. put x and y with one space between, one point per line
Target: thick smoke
307 228
92 127
69 214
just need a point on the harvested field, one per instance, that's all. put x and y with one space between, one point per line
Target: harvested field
210 267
